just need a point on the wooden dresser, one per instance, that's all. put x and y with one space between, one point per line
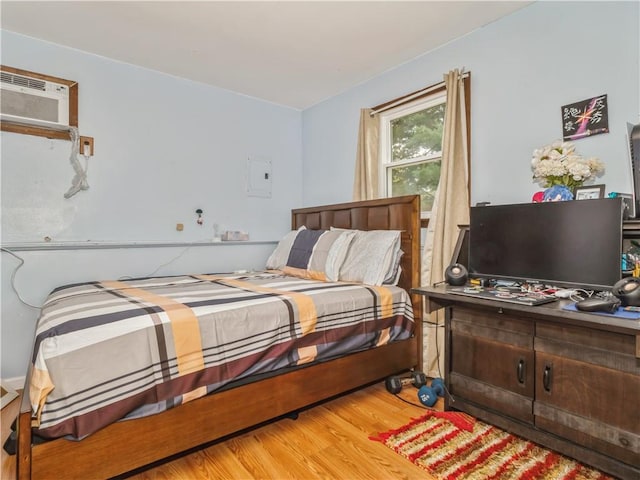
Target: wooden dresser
567 380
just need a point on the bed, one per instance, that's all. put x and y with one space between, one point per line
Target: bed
221 397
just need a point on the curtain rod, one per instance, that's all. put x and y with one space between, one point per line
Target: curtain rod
410 96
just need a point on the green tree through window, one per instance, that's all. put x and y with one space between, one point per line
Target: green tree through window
418 134
412 149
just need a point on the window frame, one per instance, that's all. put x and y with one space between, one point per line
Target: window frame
385 162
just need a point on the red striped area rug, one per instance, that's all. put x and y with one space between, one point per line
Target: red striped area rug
452 445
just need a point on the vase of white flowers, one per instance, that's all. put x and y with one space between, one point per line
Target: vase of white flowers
559 164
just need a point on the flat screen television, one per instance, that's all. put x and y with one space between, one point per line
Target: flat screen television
571 244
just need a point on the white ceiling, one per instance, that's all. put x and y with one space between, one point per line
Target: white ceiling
292 53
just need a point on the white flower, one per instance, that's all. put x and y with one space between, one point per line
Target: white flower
559 164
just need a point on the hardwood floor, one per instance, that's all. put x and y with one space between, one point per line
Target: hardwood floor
326 441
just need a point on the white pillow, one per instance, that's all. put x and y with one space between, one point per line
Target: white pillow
337 255
318 254
393 274
372 257
278 259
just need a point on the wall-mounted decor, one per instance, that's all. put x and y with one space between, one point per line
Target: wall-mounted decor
585 118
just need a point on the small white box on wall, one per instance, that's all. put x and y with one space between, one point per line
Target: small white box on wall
259 177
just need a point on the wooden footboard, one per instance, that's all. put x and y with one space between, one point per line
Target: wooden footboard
128 445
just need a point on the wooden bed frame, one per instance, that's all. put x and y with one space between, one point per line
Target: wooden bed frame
125 446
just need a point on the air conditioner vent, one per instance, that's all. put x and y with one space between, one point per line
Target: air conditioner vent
21 81
33 101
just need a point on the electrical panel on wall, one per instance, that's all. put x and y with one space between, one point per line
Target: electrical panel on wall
259 177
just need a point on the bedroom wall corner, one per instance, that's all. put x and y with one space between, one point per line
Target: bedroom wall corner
524 67
164 147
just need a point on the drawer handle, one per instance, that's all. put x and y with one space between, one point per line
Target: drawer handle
520 371
546 378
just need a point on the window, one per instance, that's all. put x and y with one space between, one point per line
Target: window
411 149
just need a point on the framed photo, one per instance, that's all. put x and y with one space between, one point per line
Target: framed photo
590 192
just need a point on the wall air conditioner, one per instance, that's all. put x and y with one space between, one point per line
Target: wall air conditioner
34 102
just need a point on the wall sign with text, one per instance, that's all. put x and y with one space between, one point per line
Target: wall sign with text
585 118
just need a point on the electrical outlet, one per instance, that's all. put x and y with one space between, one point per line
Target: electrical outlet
86 145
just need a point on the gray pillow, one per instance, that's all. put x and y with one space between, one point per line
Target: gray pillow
278 259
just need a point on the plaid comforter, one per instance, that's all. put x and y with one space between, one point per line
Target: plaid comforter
109 350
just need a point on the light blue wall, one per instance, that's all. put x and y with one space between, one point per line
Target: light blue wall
164 146
524 68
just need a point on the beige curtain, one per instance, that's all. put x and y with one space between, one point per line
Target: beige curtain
365 185
450 209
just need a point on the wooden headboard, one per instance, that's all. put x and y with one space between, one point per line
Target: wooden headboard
395 213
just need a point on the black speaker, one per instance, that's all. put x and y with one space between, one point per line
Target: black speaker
456 274
628 291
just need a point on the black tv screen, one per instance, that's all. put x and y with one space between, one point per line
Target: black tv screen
574 243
